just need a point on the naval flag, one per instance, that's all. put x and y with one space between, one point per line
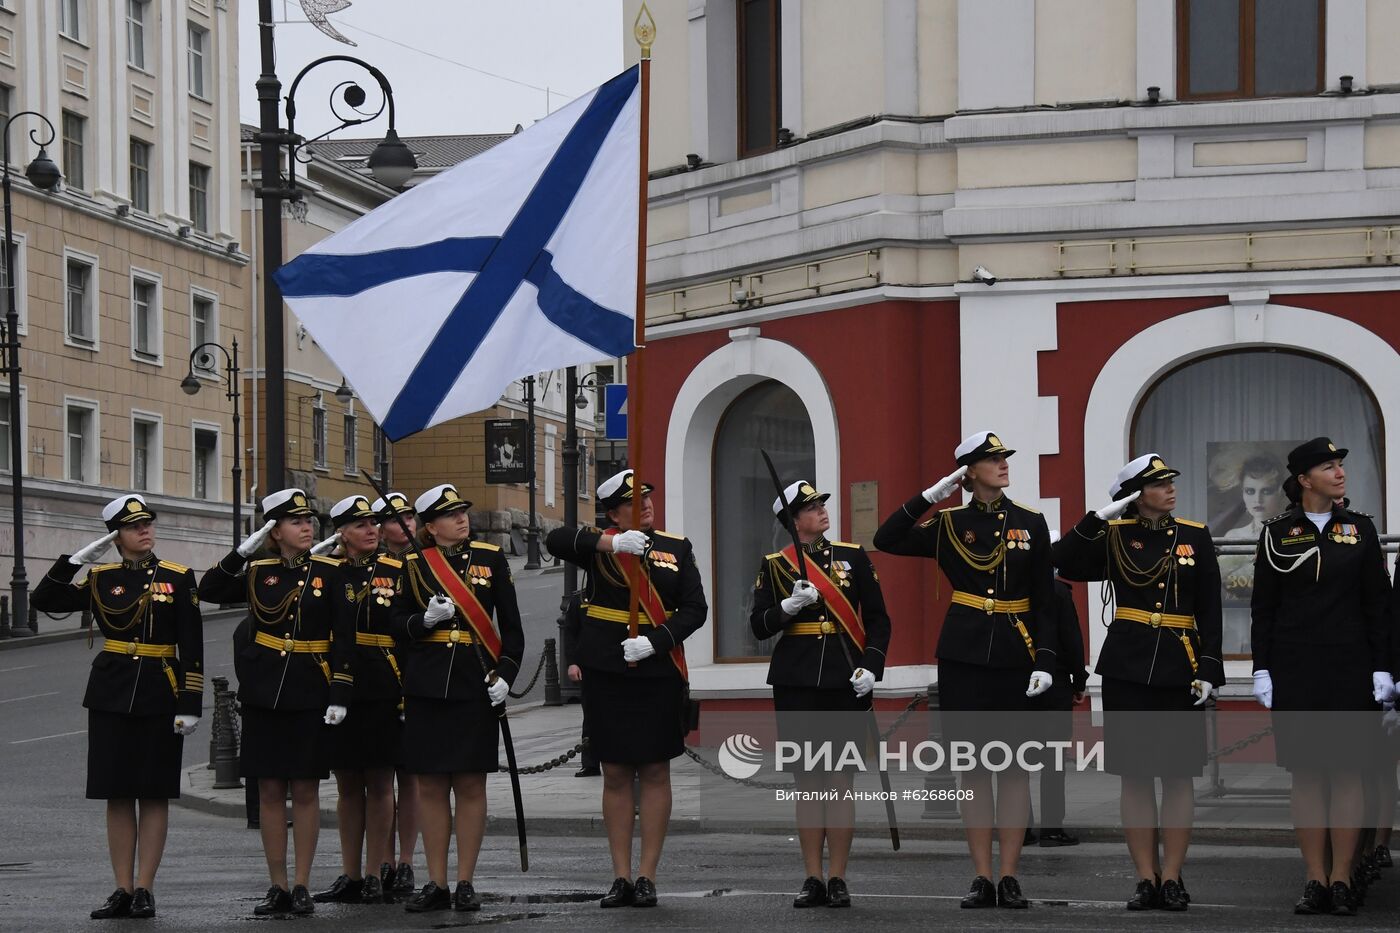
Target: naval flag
520 260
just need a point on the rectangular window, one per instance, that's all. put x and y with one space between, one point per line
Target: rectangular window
198 52
141 176
145 318
206 463
70 18
14 259
5 98
145 453
74 128
381 454
204 328
583 488
136 32
199 196
1249 48
80 284
318 436
758 74
350 443
80 447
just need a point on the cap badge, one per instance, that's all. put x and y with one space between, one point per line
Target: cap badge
806 490
1331 446
1157 464
133 506
450 495
298 499
993 440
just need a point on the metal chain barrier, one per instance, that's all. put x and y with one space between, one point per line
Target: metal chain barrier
531 686
1241 744
551 764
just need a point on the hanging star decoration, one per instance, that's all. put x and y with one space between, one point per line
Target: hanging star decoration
316 11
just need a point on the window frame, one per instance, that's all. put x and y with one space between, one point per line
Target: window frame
93 456
382 445
200 220
94 291
155 463
197 61
18 245
72 29
350 423
146 277
73 179
1246 60
320 458
196 293
584 489
218 474
135 144
745 148
23 427
132 25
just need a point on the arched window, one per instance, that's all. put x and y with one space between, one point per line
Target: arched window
770 417
1228 421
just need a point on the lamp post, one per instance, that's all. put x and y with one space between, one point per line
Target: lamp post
391 163
532 531
574 401
43 175
190 385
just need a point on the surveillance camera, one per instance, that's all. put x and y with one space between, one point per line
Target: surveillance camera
981 274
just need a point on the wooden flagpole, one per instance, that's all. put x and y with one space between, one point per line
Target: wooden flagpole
644 31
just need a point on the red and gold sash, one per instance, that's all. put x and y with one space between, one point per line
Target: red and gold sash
461 594
836 601
651 603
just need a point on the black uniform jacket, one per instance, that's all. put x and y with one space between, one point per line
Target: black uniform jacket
812 660
1069 663
365 593
294 599
1164 567
669 563
1325 587
148 602
453 670
968 543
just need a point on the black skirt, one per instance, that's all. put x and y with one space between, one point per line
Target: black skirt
450 736
815 714
984 704
369 738
133 757
289 745
1152 731
1324 713
633 720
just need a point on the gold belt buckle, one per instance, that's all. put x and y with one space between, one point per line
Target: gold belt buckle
1155 619
454 636
828 628
989 604
288 645
131 648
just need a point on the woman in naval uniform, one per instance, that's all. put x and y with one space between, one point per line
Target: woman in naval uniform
1321 645
294 679
1160 661
144 694
997 646
455 669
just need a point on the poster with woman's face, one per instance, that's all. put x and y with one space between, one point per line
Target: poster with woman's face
1244 490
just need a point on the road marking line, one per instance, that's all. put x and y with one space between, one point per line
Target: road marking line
41 738
6 670
32 696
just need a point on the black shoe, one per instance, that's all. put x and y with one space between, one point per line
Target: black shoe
1382 856
1173 896
1342 905
621 894
118 905
344 890
1185 894
1145 897
644 893
1314 899
431 897
373 891
813 893
403 880
277 901
588 771
1009 894
143 904
465 898
301 901
1030 838
1053 838
836 893
981 894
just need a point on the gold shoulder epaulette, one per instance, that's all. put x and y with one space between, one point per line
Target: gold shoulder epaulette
1026 507
774 556
334 562
1268 521
843 544
411 555
263 562
103 567
390 561
1190 524
482 545
667 534
1123 521
171 565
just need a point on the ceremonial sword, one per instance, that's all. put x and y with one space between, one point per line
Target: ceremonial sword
871 723
501 709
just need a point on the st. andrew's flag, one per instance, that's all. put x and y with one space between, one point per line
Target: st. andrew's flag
520 260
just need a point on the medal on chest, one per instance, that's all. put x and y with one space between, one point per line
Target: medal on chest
1185 555
1343 533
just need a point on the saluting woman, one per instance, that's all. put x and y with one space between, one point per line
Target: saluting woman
1161 656
1320 640
455 669
634 689
294 679
997 646
144 694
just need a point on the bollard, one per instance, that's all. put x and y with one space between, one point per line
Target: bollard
225 741
4 617
552 696
942 803
33 620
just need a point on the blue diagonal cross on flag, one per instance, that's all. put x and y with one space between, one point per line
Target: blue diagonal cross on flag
520 260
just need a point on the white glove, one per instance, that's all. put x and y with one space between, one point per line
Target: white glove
328 545
1202 689
1040 682
944 487
335 715
631 542
803 594
439 609
184 725
1382 686
637 649
1264 689
254 541
1117 507
862 681
90 553
497 689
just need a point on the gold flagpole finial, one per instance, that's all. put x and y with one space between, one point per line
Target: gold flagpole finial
644 30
